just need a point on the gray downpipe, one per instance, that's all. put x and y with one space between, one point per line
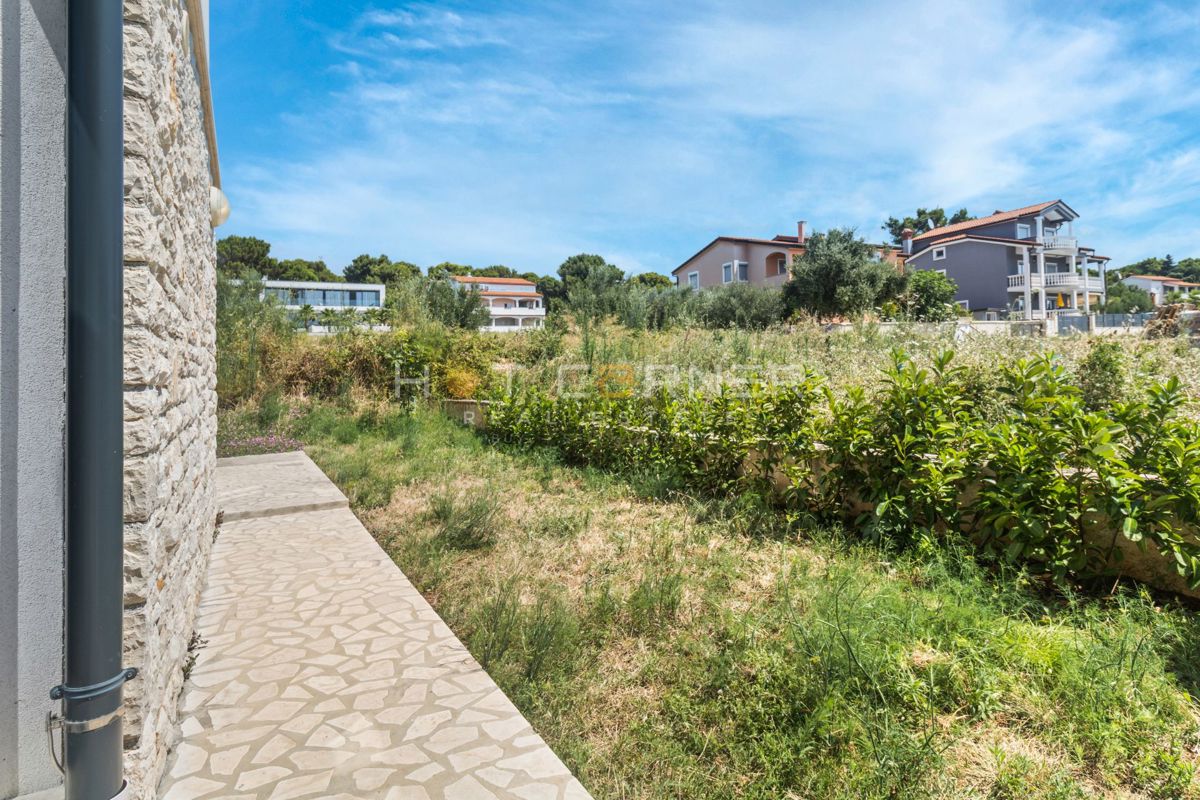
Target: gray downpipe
91 694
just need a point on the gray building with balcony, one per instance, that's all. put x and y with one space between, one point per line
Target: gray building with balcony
1019 264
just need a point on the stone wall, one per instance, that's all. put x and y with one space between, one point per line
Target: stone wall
170 373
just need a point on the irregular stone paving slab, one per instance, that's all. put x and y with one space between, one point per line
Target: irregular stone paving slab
278 483
326 674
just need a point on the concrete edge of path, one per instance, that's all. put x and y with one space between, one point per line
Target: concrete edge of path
325 672
250 487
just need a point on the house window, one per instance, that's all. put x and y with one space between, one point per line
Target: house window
735 270
940 271
727 272
939 254
694 280
964 304
743 271
1023 230
781 265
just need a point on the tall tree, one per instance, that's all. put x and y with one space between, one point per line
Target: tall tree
496 271
839 276
299 269
651 280
447 268
926 219
456 307
551 290
379 269
1121 298
590 268
243 256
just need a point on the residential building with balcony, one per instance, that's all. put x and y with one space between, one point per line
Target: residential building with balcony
514 303
1020 264
762 262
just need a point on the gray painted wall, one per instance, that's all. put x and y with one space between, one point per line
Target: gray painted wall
980 269
32 385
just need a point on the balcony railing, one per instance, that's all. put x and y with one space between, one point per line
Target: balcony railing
1060 244
509 328
516 311
1057 280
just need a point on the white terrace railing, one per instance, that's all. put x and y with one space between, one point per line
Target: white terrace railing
1060 243
1056 280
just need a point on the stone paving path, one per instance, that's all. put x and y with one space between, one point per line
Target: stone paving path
326 674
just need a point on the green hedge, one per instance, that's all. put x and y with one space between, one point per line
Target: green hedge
1026 475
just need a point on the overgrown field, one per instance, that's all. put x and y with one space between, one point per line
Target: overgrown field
255 361
679 628
672 644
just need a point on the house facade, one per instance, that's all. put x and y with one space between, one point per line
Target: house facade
1159 286
1019 264
321 295
162 277
761 262
513 303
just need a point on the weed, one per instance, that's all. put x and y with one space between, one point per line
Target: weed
496 624
656 598
561 524
466 522
550 632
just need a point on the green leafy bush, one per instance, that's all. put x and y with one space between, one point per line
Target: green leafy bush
1101 374
1032 475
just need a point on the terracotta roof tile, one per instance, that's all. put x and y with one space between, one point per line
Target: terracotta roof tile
999 216
1164 279
479 279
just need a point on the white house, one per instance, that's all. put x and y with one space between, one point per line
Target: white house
514 303
1159 286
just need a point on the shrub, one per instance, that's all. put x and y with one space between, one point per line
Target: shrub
740 305
930 297
461 383
247 327
838 276
899 460
1102 374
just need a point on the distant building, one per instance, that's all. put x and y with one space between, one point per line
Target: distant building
321 295
1024 264
1159 286
514 303
326 296
762 262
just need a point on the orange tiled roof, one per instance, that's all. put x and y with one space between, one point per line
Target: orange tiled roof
1164 279
1001 216
478 279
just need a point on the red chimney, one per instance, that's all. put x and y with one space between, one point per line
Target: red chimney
906 237
800 233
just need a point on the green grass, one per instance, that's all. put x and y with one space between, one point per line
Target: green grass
669 646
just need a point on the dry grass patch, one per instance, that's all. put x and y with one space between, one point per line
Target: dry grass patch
688 648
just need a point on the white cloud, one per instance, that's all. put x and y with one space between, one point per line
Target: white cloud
520 138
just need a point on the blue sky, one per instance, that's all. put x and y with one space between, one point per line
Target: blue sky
520 133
